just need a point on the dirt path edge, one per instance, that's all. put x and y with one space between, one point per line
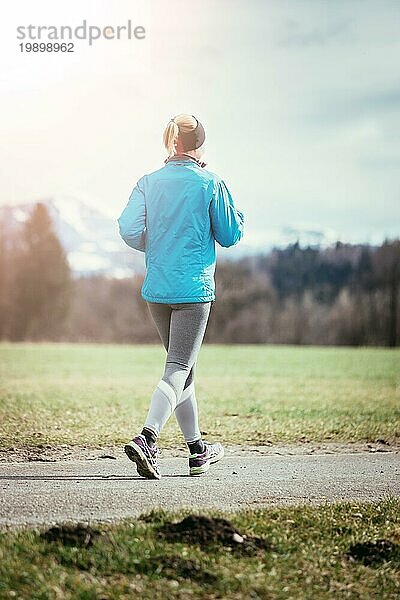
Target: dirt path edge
47 453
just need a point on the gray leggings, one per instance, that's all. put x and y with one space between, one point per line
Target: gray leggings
181 328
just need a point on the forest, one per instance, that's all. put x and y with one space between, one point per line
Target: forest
345 294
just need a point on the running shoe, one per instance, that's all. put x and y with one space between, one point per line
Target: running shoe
145 457
200 463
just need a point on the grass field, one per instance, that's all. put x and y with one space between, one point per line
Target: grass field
254 394
310 553
52 394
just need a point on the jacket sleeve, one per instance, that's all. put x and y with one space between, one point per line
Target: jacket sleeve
227 221
132 222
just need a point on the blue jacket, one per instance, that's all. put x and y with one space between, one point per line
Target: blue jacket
174 215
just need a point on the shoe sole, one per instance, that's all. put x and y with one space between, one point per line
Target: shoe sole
136 455
200 470
204 468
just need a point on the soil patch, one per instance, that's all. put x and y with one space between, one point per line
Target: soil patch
373 553
208 531
71 535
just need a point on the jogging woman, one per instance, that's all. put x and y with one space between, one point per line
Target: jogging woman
174 215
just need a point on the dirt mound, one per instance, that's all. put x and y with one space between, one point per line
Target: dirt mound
71 535
207 531
375 552
154 516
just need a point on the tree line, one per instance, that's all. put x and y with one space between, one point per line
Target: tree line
342 295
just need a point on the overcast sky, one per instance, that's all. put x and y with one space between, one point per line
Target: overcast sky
300 101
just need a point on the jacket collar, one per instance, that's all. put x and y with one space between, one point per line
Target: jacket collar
184 157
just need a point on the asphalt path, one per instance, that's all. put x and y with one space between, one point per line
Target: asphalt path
46 493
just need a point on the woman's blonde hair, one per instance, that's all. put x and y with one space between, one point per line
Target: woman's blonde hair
181 122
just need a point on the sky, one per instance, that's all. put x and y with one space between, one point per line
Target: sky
300 101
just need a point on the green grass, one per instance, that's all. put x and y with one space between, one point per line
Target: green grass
308 559
91 394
